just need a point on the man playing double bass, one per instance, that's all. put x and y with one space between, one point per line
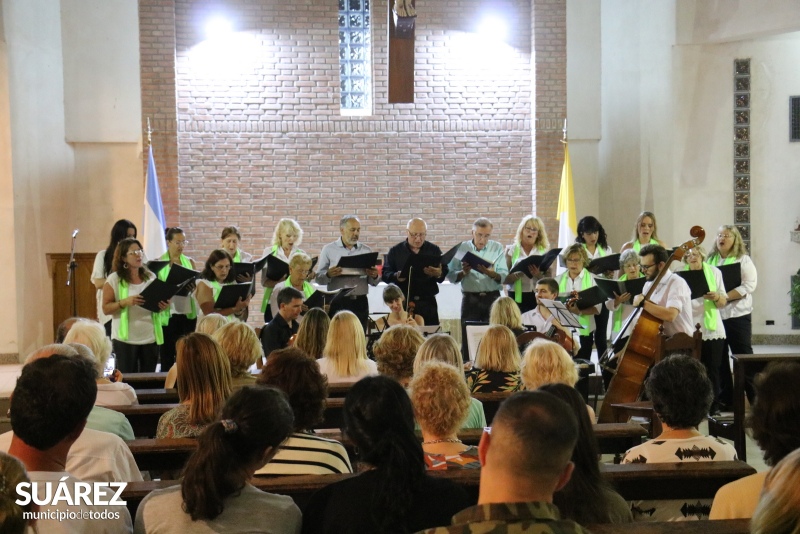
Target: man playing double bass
424 284
672 299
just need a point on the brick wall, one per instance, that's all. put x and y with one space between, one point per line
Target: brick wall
260 135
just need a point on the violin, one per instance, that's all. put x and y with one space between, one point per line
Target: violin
410 309
291 340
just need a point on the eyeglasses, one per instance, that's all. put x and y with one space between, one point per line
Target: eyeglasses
304 271
180 243
528 228
724 236
221 267
647 267
417 235
573 260
135 252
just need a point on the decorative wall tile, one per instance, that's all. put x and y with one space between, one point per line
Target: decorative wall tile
741 183
741 100
741 83
742 166
741 133
741 150
741 215
741 199
741 147
742 66
742 117
744 230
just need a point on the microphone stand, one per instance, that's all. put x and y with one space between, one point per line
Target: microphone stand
71 277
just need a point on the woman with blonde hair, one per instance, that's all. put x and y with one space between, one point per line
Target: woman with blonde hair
779 508
395 352
645 232
345 355
204 382
575 279
299 267
497 362
441 402
505 311
242 347
111 391
546 362
443 348
313 333
211 323
286 239
530 240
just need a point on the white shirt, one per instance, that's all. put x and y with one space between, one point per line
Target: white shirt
673 292
743 306
98 273
577 285
326 368
140 320
115 394
96 457
535 319
528 284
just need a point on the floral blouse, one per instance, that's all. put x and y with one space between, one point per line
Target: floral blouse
175 424
485 381
467 459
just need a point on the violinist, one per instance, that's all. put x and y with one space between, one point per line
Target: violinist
393 298
540 317
672 299
276 334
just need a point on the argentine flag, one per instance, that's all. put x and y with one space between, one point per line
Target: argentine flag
153 239
566 215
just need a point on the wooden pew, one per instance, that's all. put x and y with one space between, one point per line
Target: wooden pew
633 481
145 380
162 454
157 396
143 417
725 526
491 402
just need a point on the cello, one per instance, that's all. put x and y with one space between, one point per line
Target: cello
639 352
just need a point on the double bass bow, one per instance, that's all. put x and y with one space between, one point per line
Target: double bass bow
639 352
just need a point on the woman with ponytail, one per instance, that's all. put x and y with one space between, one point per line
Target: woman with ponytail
393 494
214 494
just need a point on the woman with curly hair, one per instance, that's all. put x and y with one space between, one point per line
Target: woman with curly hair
395 352
394 494
215 494
496 363
681 395
441 402
313 333
303 453
587 498
443 348
775 423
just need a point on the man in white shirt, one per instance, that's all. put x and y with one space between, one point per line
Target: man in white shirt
672 299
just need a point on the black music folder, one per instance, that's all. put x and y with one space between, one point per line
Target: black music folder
475 261
604 264
251 268
448 256
158 291
609 287
320 298
367 260
731 275
157 265
697 282
418 262
178 274
276 268
542 262
587 298
230 295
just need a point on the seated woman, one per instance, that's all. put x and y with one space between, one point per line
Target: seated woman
505 311
12 515
395 352
496 363
296 374
779 508
394 298
313 333
546 362
587 498
443 348
681 395
215 494
242 347
441 401
204 382
299 269
217 272
211 323
394 494
345 359
93 335
775 423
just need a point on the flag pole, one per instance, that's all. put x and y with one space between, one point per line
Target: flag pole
150 134
563 130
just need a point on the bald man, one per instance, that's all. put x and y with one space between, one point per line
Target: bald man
425 284
525 459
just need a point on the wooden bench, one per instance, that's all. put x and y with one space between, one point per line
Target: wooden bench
491 403
157 396
145 380
143 417
725 526
633 481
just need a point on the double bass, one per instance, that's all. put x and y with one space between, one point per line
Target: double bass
639 353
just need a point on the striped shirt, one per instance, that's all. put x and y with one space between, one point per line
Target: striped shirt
307 454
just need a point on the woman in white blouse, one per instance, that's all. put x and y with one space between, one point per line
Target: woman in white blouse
530 240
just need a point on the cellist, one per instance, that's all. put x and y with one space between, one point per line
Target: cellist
671 301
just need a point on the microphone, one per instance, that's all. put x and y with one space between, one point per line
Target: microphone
75 233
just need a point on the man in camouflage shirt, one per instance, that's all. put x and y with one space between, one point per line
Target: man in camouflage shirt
525 459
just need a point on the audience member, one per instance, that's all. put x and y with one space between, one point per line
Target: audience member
587 498
395 352
214 494
525 459
443 348
204 382
440 398
111 391
345 360
51 400
681 395
64 328
505 311
775 423
303 453
12 472
546 362
778 511
497 362
313 332
210 324
277 333
240 344
394 494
